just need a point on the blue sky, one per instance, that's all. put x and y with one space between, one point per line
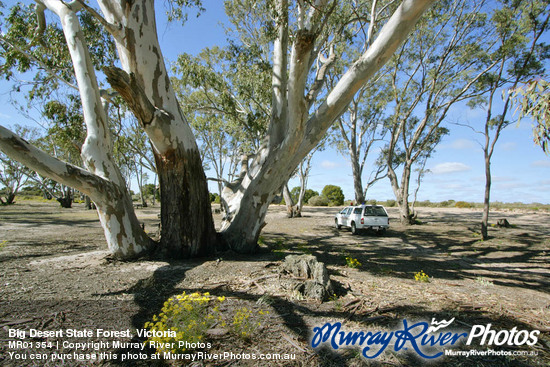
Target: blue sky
521 171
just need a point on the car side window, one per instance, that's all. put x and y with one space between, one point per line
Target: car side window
357 211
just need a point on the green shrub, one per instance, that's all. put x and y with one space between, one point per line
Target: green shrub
334 194
318 201
447 203
463 204
372 202
391 203
295 192
214 198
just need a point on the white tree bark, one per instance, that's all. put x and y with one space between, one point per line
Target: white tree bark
124 236
250 196
187 228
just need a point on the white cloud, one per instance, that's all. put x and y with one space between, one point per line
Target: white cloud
462 144
450 167
544 164
329 164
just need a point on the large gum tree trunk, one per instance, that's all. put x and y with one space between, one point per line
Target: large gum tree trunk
187 227
186 224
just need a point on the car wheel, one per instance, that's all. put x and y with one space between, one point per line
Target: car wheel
353 228
336 224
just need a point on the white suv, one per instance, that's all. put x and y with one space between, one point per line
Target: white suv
363 217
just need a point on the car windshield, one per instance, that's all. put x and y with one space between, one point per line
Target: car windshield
375 211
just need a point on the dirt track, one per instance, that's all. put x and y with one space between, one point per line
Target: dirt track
54 275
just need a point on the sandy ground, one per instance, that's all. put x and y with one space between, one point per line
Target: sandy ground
54 275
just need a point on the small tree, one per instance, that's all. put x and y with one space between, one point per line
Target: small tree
13 175
437 68
520 55
334 194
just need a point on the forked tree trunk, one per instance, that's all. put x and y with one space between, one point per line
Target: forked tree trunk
288 202
102 180
293 131
401 192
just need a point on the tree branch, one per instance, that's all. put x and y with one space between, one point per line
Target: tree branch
130 90
112 29
44 164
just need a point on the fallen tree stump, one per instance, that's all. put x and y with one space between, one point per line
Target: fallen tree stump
503 223
311 277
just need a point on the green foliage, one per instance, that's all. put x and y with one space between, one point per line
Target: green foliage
318 201
27 50
176 9
533 100
391 203
214 89
334 195
447 203
464 204
295 192
214 198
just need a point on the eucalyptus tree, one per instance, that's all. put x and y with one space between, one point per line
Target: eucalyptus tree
296 198
13 175
305 37
360 130
301 111
521 54
226 94
439 66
